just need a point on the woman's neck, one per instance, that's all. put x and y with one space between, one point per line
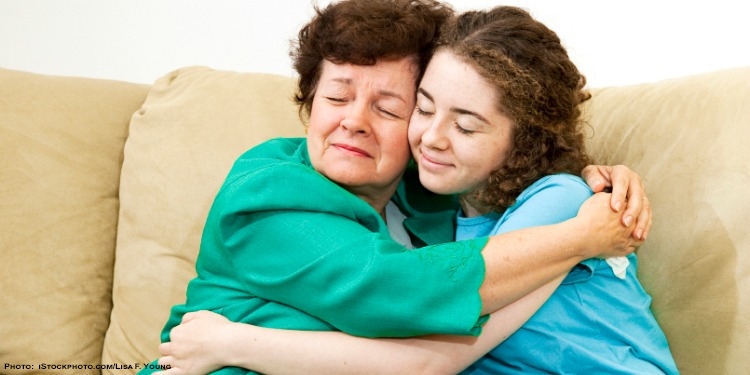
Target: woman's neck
378 200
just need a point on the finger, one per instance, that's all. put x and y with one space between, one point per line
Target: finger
165 348
648 228
649 223
164 360
643 221
596 177
188 317
623 183
165 363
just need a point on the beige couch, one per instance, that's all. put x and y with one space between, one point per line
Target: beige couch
104 186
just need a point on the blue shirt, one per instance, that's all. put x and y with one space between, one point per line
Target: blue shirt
594 323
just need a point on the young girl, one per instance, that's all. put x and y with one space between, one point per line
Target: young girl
497 122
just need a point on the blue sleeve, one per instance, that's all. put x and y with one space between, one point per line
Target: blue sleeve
550 200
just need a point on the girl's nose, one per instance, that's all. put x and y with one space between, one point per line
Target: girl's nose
434 135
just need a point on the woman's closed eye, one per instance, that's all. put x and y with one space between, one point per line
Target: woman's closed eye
334 99
388 113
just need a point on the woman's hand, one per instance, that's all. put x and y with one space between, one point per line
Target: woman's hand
197 344
605 235
627 188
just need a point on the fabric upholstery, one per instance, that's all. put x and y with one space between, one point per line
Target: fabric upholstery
688 138
61 141
194 124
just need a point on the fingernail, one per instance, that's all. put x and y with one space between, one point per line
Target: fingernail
618 205
628 220
639 234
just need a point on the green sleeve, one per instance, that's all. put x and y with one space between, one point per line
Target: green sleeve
297 239
360 282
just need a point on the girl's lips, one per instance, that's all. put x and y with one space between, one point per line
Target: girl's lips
433 161
351 149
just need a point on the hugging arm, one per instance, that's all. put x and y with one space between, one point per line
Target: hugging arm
202 343
514 264
205 342
551 251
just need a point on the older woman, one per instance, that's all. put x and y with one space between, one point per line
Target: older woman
299 236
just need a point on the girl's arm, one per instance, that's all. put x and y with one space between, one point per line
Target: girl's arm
205 342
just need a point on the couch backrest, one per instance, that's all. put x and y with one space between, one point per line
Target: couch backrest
689 138
61 142
686 137
193 125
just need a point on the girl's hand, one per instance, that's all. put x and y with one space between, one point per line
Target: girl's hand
197 344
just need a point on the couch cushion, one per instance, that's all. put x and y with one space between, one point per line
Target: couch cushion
194 124
689 138
61 142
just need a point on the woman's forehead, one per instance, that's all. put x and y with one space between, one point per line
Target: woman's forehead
391 74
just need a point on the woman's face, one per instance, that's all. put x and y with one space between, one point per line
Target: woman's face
457 134
357 135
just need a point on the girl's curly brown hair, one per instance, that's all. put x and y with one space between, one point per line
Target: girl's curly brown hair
361 32
538 88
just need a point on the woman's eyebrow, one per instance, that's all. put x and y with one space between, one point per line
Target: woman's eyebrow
349 81
392 94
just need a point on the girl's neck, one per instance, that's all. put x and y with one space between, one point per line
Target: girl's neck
471 207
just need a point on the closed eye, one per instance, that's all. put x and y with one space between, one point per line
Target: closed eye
463 130
388 113
422 112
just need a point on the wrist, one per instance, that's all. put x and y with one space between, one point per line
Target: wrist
228 354
576 230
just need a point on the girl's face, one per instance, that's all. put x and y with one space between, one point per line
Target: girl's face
457 133
357 135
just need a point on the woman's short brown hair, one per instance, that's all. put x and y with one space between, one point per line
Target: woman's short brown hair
538 88
363 31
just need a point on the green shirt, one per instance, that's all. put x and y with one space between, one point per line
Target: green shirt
284 247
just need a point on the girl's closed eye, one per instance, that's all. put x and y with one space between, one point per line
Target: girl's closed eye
421 112
464 130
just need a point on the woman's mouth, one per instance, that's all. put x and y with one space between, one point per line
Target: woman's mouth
351 150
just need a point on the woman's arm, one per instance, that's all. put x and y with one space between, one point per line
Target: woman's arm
521 261
416 355
205 342
627 187
250 231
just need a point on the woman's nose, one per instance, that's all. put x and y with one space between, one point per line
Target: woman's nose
356 120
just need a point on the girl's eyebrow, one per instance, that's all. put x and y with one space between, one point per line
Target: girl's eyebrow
460 111
425 93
